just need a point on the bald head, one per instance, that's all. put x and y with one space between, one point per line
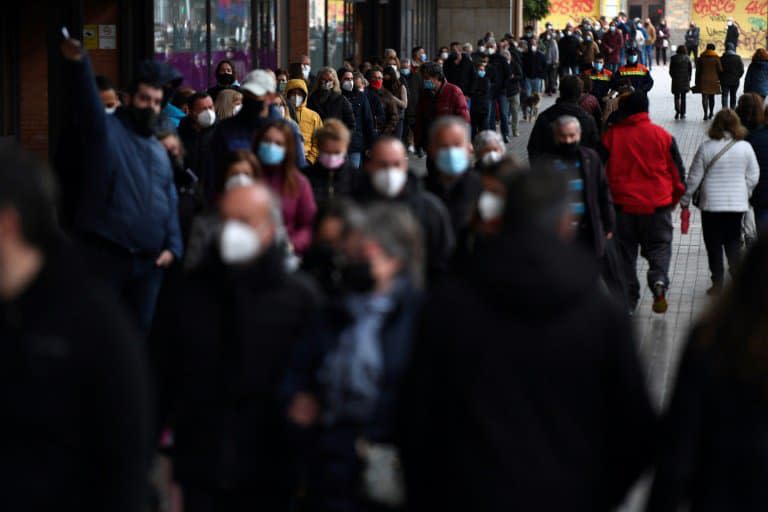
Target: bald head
387 153
253 205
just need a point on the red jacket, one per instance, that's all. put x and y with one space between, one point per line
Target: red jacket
645 171
611 46
447 101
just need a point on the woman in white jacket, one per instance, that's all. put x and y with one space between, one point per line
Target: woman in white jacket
724 171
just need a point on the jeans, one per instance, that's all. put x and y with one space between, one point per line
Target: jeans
722 230
652 235
134 279
514 113
649 56
730 90
355 159
503 113
680 102
535 85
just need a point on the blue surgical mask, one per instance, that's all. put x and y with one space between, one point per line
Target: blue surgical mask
429 85
270 153
452 161
598 66
632 59
423 57
405 71
481 73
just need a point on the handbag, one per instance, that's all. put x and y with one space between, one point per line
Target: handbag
697 195
695 89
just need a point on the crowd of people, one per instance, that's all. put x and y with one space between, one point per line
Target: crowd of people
251 284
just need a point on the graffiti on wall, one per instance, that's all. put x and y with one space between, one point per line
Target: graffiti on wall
563 11
750 16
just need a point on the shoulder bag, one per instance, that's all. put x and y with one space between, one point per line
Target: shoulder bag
697 195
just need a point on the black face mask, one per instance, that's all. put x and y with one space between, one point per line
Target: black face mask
144 120
252 107
225 79
356 277
570 150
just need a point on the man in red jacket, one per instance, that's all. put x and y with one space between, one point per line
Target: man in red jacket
646 176
440 99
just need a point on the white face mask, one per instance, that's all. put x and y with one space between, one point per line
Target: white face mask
328 86
491 157
490 206
206 118
239 243
237 109
238 180
110 110
305 69
348 85
298 100
389 182
444 55
481 49
491 51
281 109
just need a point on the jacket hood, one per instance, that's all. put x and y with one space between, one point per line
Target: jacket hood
532 273
297 83
710 53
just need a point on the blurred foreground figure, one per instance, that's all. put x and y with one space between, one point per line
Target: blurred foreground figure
525 392
714 447
218 374
73 381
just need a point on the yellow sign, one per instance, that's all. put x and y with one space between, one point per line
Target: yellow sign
750 16
563 11
91 36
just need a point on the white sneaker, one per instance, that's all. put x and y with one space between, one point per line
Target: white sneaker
411 149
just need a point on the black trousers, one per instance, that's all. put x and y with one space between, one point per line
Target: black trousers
730 90
198 499
722 230
708 102
680 102
652 235
661 54
692 50
551 79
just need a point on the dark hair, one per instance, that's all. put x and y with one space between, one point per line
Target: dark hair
634 103
294 71
726 121
434 70
373 69
455 43
415 50
104 84
281 71
233 157
599 56
535 199
225 61
27 186
195 97
291 185
586 83
571 88
736 326
181 96
710 46
751 110
681 49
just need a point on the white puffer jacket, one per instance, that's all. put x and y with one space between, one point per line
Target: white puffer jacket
729 182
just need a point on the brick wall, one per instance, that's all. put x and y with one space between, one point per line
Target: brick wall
105 62
298 26
33 97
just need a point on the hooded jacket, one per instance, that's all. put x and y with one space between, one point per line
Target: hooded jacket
530 375
733 69
448 100
644 167
309 120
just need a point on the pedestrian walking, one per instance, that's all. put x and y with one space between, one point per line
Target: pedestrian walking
733 70
692 36
723 173
751 111
365 132
308 120
333 174
326 98
708 71
731 33
226 78
662 43
613 43
680 69
650 42
757 74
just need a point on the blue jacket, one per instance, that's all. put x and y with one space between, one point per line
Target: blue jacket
757 78
127 194
364 133
759 141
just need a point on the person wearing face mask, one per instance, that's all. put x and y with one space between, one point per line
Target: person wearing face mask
332 175
344 384
215 387
228 104
586 52
552 57
480 99
709 68
127 240
455 183
309 120
692 38
601 78
414 84
388 179
680 70
326 99
225 78
662 43
590 199
259 90
383 89
282 80
731 33
534 68
306 71
458 69
613 42
196 133
273 145
419 54
500 73
633 72
650 42
109 96
568 47
365 132
399 91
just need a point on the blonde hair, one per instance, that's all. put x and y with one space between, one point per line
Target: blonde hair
334 77
225 103
333 129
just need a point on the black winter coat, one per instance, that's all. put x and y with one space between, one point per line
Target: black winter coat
365 130
516 76
480 95
330 183
439 238
534 64
733 69
330 104
198 155
759 140
501 74
77 427
680 69
461 74
531 377
714 451
732 36
460 197
221 348
569 49
542 141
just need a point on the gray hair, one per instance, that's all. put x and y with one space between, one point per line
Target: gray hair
565 121
399 234
467 47
506 54
446 122
487 137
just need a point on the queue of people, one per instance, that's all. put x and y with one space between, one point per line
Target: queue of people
274 301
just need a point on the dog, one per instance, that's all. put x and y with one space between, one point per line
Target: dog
531 107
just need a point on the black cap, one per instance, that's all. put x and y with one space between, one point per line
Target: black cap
634 103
